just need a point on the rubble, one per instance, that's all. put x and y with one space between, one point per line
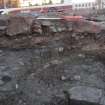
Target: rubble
102 102
18 25
63 78
27 32
88 94
47 58
3 25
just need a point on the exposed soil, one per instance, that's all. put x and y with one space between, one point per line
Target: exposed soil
63 68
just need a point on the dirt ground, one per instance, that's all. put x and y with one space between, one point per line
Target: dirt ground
63 68
45 75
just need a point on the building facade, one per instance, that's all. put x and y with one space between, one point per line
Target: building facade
88 4
1 4
103 3
84 4
9 3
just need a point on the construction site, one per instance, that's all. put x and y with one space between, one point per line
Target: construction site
52 59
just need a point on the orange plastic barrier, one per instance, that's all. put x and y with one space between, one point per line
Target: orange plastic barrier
72 18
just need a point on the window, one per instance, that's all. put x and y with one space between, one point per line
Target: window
79 5
89 4
86 4
93 4
76 5
82 5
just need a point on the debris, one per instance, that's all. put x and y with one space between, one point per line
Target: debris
6 78
46 66
17 86
1 51
21 63
56 62
63 78
42 58
77 77
1 82
39 92
60 49
18 25
81 55
88 94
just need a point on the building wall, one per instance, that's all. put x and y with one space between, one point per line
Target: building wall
9 3
24 3
82 4
1 4
103 2
100 4
86 5
12 3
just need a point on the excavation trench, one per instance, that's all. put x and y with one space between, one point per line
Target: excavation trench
35 68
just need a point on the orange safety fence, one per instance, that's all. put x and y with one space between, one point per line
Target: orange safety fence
72 18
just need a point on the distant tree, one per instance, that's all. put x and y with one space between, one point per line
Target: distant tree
36 5
62 1
50 2
30 4
45 2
